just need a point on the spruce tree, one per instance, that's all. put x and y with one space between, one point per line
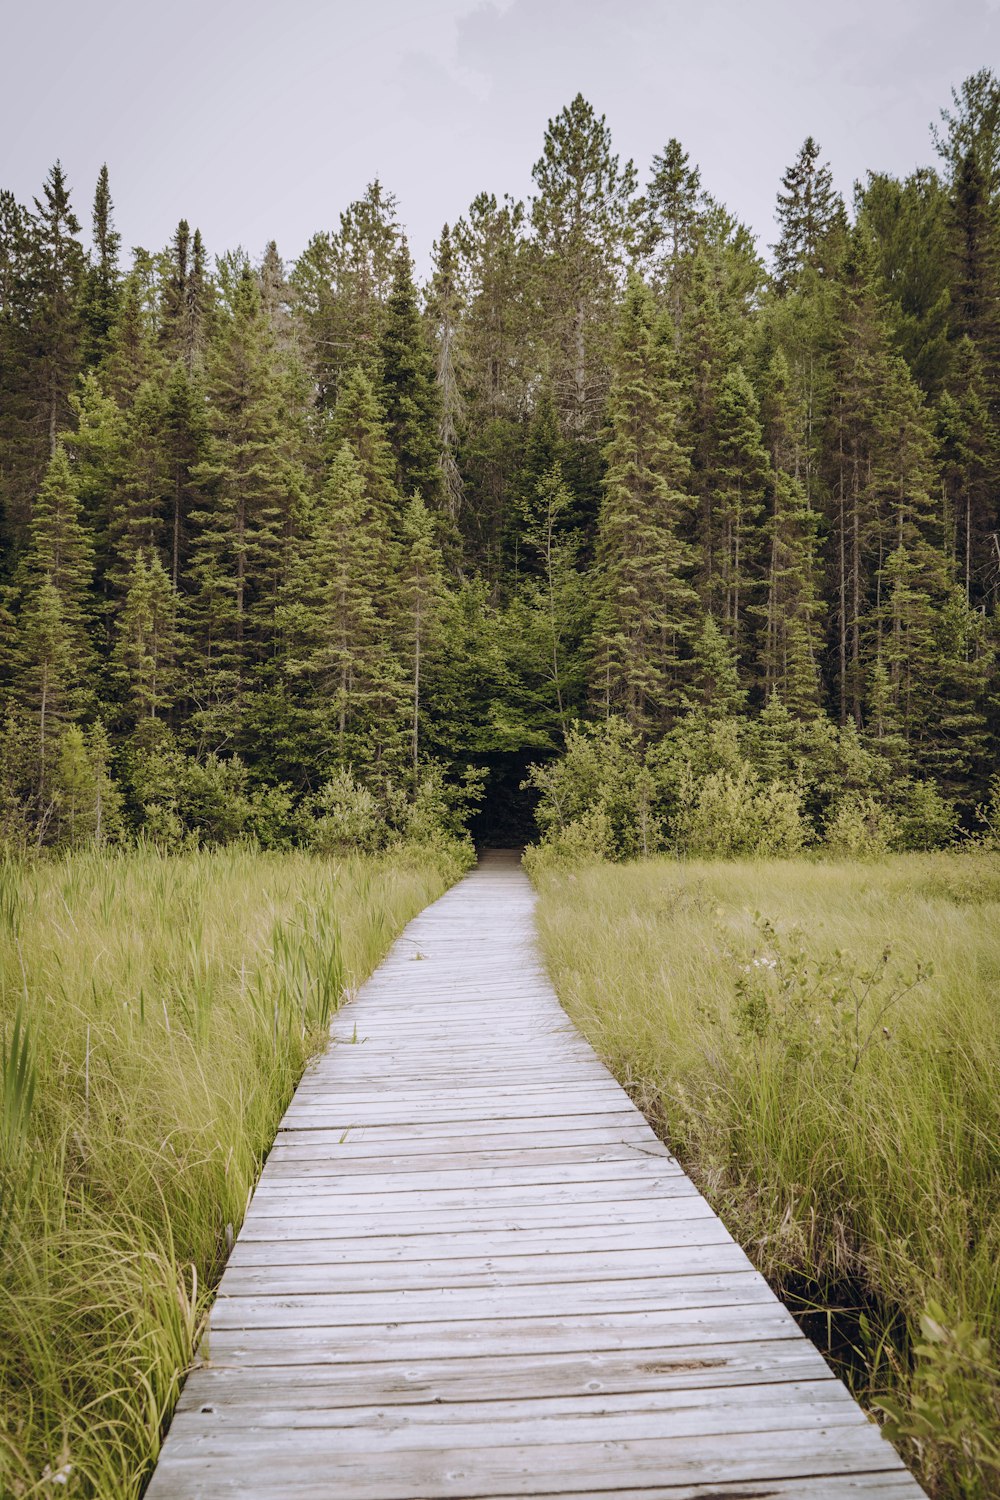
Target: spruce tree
102 284
186 298
409 389
359 418
337 658
670 230
145 658
131 356
58 274
741 480
811 218
499 370
420 613
342 283
248 484
647 608
46 690
715 674
445 308
586 221
60 550
790 636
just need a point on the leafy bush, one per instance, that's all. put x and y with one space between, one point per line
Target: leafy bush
350 814
732 814
345 815
729 788
861 827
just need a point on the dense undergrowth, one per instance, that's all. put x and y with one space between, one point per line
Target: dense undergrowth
819 1044
155 1015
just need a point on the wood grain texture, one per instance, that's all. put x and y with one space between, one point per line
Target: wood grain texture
470 1269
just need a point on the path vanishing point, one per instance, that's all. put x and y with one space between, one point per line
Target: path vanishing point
471 1270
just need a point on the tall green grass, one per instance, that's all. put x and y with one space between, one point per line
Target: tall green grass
155 1015
820 1043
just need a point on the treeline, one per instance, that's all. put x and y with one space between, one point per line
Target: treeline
305 551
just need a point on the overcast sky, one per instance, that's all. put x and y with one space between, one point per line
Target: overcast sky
260 119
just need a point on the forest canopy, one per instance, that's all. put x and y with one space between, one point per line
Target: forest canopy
707 532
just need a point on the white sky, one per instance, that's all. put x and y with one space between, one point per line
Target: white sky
259 120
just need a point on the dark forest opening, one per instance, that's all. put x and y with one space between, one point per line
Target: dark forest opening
505 817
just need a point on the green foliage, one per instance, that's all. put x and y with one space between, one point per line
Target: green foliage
953 1412
733 815
604 463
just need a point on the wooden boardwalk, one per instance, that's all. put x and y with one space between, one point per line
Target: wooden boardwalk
471 1270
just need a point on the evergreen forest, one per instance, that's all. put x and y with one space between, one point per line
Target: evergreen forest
622 518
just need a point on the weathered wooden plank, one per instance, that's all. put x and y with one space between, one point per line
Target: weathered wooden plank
414 1273
470 1269
486 1241
664 1329
342 1309
473 1378
278 1219
703 1411
283 1464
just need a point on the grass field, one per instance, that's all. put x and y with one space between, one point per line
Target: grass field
155 1015
820 1043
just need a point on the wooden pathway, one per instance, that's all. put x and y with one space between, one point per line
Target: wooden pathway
471 1270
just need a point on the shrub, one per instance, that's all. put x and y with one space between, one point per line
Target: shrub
732 813
861 827
345 815
600 790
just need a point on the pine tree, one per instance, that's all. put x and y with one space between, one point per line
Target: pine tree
421 598
671 222
338 663
585 217
742 475
47 663
102 284
145 658
973 127
411 395
359 419
715 674
58 276
445 308
186 298
811 218
342 283
647 606
240 536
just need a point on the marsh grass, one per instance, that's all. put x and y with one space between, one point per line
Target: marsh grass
820 1044
155 1016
